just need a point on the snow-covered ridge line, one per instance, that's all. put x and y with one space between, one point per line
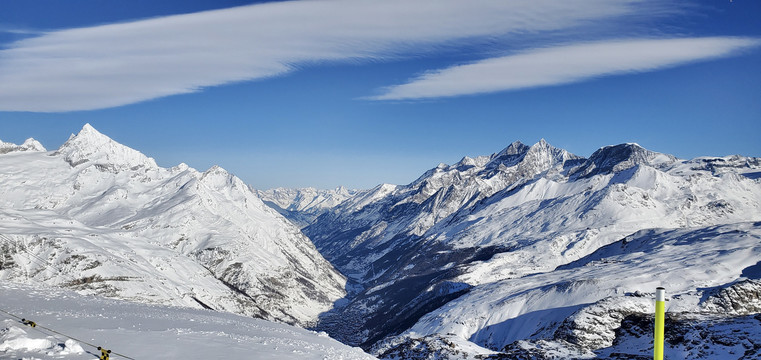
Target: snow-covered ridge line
28 145
520 212
109 221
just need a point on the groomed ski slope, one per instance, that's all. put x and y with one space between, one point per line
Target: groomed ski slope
141 331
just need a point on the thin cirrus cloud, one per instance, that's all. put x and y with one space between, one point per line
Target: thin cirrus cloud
124 63
563 65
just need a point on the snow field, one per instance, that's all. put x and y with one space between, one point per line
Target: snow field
584 294
143 331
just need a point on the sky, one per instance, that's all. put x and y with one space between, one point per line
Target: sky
356 93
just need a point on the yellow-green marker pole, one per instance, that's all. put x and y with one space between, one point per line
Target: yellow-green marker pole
660 319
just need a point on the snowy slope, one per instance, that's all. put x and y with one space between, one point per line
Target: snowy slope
373 220
146 331
101 218
711 274
303 206
526 210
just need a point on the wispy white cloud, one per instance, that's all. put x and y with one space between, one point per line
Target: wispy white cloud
563 65
118 64
18 30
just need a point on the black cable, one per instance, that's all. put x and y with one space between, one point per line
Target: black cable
45 263
23 320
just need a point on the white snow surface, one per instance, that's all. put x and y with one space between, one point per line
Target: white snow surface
142 331
433 347
101 218
686 262
551 223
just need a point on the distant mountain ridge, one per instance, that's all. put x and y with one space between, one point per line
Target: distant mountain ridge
28 145
107 220
303 206
411 250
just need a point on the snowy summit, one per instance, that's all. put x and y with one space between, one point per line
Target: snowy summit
108 221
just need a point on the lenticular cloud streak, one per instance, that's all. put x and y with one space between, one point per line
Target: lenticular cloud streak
564 64
118 64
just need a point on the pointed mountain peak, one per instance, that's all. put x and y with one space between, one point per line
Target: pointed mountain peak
541 147
91 146
509 156
343 190
217 177
544 147
542 157
515 148
32 145
28 145
216 170
89 129
466 161
88 133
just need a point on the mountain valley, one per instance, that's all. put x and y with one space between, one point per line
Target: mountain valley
429 258
531 252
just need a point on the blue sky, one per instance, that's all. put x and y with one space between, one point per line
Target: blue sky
357 93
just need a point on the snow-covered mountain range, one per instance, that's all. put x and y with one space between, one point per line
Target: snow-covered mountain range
303 206
101 218
517 252
531 252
